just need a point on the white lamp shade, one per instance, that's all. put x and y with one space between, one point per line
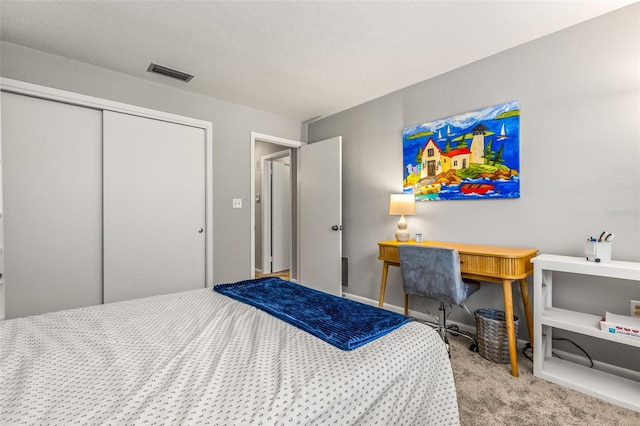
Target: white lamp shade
401 204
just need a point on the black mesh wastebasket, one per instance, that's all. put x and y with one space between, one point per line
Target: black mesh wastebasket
491 330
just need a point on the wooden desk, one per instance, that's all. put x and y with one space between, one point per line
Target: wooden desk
502 265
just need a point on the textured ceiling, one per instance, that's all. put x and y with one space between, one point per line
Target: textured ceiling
297 59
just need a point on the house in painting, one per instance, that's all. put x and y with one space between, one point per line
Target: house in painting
431 160
436 161
456 159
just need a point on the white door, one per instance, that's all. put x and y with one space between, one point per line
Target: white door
280 216
320 201
52 182
154 207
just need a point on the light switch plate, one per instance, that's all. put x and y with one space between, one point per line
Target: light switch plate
237 203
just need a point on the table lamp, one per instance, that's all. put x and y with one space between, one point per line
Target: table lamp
402 204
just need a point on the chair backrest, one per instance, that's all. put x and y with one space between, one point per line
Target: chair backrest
433 272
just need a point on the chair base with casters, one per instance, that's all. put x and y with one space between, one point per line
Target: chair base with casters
442 328
434 272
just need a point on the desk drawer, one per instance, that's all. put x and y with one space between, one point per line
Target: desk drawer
389 254
469 263
498 267
480 265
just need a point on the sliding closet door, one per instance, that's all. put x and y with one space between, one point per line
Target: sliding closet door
154 207
52 160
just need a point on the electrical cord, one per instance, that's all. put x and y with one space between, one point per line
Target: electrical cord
528 347
577 346
524 351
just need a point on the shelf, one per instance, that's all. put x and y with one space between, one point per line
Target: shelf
610 387
580 265
582 323
614 389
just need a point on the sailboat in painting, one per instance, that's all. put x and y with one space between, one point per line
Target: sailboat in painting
503 134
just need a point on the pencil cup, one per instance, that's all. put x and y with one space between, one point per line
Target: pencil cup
598 251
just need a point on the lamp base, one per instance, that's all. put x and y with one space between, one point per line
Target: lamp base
403 235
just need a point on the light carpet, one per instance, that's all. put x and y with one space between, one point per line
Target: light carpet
489 396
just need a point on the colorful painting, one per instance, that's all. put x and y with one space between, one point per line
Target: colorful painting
469 156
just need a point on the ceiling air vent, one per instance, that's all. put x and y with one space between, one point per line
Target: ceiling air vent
159 69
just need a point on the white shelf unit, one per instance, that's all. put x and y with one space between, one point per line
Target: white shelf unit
606 386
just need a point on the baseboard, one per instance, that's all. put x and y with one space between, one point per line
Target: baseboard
415 314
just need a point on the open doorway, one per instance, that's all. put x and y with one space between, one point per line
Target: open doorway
316 211
274 226
274 229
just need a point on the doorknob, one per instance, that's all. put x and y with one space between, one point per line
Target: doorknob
200 230
336 227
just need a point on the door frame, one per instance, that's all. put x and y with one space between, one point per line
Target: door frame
289 143
49 93
266 205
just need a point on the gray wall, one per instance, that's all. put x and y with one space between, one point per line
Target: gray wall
232 127
579 147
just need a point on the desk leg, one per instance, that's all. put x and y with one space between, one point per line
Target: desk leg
508 312
406 305
383 284
524 290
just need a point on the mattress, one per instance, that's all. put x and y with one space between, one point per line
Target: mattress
201 358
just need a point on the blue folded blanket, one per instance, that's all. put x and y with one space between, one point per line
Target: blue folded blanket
344 323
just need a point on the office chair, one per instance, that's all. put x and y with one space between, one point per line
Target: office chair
434 272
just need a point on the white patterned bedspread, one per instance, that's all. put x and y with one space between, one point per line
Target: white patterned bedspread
200 358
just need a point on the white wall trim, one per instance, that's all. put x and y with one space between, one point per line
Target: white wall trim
43 92
415 314
38 91
276 140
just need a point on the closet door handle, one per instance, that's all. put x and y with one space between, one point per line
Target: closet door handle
200 230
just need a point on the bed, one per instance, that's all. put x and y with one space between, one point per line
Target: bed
201 357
